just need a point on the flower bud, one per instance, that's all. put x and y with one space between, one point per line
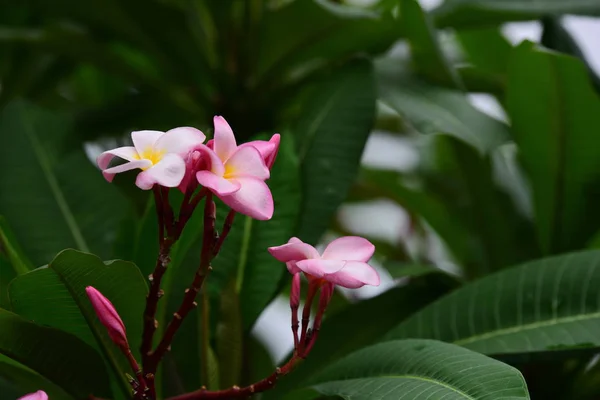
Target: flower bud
39 395
108 316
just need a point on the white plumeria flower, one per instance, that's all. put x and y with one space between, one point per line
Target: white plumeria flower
160 156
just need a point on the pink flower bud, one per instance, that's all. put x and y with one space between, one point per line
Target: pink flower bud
108 316
295 292
39 395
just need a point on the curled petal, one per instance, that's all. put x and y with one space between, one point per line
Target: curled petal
320 268
355 274
224 142
144 140
253 199
213 162
39 395
180 140
167 172
294 251
246 161
127 153
109 173
292 267
268 150
219 185
108 316
353 248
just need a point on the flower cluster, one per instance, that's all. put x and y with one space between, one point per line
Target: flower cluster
179 158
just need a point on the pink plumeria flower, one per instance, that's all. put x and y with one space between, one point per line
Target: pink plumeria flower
236 174
344 261
108 316
267 149
160 156
39 395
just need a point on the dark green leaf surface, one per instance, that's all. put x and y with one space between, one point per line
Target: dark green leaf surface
434 110
55 296
552 106
55 200
542 306
8 245
334 128
420 369
62 358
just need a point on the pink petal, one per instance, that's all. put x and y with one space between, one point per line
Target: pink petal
108 316
180 140
167 172
219 185
268 150
253 199
224 143
320 268
355 274
246 162
352 248
127 153
143 140
292 267
109 173
39 395
213 162
294 251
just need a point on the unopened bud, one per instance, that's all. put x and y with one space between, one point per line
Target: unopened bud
108 316
295 292
39 395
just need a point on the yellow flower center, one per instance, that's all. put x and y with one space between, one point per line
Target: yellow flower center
229 171
151 154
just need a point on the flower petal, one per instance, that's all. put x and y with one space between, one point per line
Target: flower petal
39 395
109 173
180 140
127 153
355 274
292 267
167 172
213 162
320 268
224 143
351 248
268 150
294 251
143 140
219 185
253 199
246 162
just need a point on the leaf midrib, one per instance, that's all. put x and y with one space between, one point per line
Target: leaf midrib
525 327
53 183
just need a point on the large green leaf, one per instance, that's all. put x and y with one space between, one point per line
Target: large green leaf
62 358
52 200
245 250
25 380
420 369
458 13
552 106
376 319
12 249
55 296
541 306
332 134
431 109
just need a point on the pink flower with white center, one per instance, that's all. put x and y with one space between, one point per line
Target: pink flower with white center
108 315
344 261
160 156
236 174
39 395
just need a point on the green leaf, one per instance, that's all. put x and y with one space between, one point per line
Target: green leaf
9 246
552 106
433 110
368 320
545 305
332 134
427 54
486 48
66 306
461 13
420 369
25 380
62 358
230 338
245 250
55 200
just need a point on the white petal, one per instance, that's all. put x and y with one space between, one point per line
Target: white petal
144 140
109 173
224 142
127 153
180 140
167 172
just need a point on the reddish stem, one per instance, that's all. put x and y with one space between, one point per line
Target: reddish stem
138 372
312 290
236 392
